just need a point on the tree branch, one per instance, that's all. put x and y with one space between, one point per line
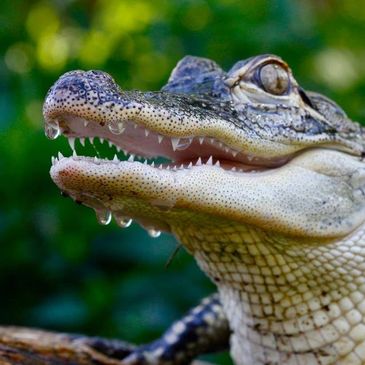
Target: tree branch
25 346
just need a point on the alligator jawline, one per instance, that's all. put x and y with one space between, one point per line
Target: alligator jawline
184 152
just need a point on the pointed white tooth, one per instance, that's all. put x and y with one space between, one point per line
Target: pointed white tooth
234 153
212 140
249 157
118 148
71 142
115 159
131 158
220 144
91 139
135 125
160 138
190 165
110 144
168 168
60 155
82 141
145 162
101 140
217 163
181 166
52 160
201 140
146 132
174 143
153 164
96 160
86 123
160 167
233 169
226 149
125 152
74 154
199 162
174 168
210 161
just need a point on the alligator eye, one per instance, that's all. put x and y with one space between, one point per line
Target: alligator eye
274 79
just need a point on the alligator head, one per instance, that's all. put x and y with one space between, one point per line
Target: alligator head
221 131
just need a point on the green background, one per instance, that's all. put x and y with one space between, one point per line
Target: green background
59 269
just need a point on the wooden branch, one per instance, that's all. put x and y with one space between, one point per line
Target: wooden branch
25 346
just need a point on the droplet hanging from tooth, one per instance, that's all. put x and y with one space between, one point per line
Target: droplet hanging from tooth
103 216
116 127
154 233
122 220
52 129
180 144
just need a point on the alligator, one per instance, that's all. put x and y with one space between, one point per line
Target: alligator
264 185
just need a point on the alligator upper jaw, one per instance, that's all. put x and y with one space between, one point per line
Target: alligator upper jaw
136 139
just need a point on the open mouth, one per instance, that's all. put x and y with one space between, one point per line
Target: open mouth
140 143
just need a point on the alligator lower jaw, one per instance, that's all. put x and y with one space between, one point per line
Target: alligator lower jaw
135 140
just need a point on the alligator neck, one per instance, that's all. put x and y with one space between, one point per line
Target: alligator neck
288 301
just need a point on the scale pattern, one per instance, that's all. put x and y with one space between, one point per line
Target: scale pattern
288 302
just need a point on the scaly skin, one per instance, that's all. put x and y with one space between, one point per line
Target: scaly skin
285 243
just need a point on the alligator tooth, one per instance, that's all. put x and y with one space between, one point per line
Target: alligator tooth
116 127
60 155
101 140
91 139
212 140
160 167
210 161
201 140
218 164
168 168
71 142
52 160
182 166
145 162
190 165
82 141
125 152
153 164
146 132
174 168
249 157
96 159
110 144
118 148
74 154
175 143
226 149
199 162
234 153
233 169
86 123
160 138
115 159
131 158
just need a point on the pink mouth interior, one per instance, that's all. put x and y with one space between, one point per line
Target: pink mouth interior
137 140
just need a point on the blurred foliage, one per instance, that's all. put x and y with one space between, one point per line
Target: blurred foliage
58 268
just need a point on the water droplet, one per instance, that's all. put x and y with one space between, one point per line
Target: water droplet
122 220
153 232
116 127
52 129
103 216
183 144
